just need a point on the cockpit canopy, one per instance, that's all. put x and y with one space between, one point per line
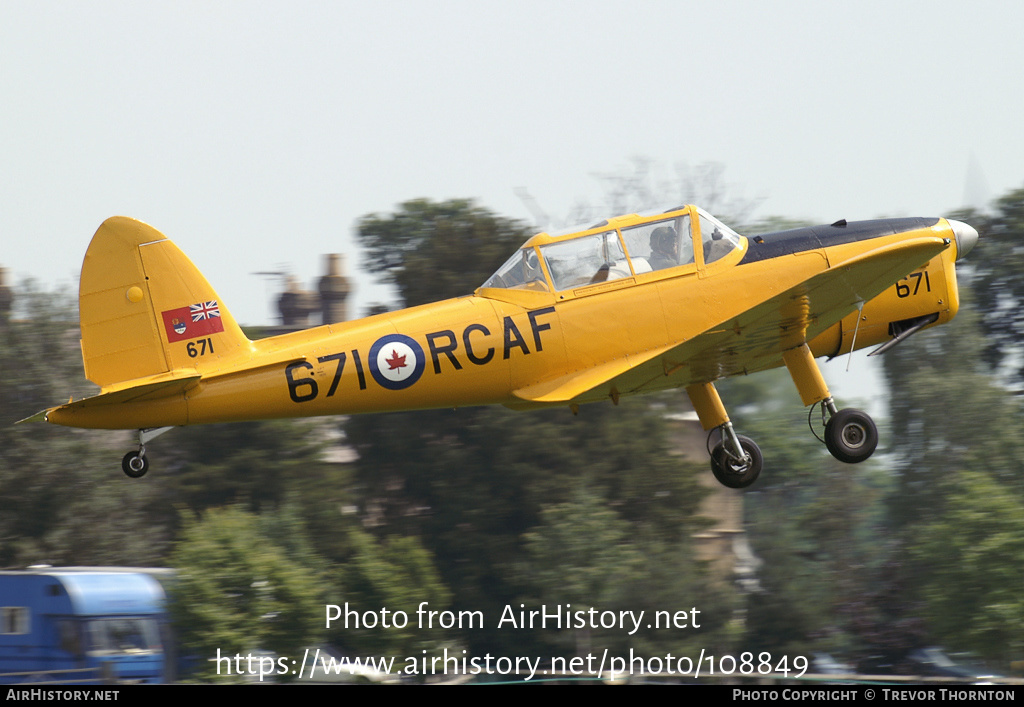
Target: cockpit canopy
615 249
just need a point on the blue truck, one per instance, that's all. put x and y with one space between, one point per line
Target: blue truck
82 625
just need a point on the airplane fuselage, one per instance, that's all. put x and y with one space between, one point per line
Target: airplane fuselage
526 347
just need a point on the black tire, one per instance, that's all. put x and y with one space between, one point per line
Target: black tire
731 474
851 436
134 465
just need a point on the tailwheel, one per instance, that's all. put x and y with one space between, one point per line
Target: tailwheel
732 471
135 465
851 436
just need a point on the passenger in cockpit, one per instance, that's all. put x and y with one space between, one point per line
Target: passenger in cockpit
664 248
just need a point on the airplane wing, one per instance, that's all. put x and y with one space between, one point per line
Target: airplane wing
753 340
572 385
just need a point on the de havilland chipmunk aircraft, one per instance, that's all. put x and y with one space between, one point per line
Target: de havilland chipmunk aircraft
634 304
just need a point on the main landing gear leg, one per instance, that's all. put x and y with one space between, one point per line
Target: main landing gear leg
850 435
135 464
735 461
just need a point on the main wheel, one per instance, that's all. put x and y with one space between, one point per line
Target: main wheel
134 465
851 436
736 475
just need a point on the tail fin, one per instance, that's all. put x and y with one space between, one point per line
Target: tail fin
146 310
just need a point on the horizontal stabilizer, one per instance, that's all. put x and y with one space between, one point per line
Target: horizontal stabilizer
38 417
152 388
136 393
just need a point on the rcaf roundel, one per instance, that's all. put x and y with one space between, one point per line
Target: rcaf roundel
396 361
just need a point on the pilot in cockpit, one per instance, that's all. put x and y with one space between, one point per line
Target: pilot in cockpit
664 248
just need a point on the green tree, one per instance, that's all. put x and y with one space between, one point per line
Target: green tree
61 504
970 570
813 522
959 490
958 495
583 554
580 555
236 592
995 268
262 465
395 574
949 412
472 484
435 250
486 474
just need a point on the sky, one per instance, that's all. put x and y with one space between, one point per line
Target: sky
255 134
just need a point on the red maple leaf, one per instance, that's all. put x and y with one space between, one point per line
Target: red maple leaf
395 361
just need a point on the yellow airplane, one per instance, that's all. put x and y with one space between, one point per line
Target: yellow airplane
634 304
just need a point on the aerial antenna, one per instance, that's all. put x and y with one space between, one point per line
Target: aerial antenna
270 290
541 220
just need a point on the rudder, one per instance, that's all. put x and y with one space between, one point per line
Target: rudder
144 308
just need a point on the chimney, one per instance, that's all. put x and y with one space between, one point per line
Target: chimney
334 289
